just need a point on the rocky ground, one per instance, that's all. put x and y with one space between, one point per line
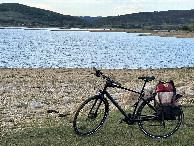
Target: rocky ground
177 34
50 97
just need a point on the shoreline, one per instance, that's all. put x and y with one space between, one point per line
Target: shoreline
83 29
177 34
28 94
172 33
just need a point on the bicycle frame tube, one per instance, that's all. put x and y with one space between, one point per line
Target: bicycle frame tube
93 107
115 103
136 104
98 106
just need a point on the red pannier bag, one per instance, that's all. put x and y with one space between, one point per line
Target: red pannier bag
167 102
167 95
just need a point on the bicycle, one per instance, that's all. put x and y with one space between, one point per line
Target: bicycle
92 114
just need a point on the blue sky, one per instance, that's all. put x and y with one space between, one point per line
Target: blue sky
106 7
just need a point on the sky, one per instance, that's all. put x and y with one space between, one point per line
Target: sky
105 7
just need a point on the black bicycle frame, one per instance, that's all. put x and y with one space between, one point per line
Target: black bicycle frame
108 84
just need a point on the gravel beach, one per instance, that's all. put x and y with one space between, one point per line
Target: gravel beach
50 97
173 33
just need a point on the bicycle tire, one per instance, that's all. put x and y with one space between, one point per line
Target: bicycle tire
86 122
154 127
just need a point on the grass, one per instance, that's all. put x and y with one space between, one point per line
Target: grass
111 133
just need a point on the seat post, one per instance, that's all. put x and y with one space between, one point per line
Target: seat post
145 81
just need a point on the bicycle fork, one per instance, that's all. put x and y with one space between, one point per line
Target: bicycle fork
94 115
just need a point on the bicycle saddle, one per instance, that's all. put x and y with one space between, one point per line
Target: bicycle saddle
147 78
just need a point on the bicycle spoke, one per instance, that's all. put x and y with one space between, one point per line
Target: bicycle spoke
153 126
90 116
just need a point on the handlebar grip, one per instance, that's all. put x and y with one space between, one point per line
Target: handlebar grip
94 69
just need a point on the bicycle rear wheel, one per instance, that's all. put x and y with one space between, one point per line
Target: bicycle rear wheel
91 115
154 126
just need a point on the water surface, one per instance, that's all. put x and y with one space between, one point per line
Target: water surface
21 48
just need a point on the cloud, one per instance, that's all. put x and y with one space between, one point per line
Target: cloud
170 1
77 1
180 2
98 1
42 6
128 9
46 7
105 7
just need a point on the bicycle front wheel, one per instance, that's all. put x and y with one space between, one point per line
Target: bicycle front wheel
153 126
91 115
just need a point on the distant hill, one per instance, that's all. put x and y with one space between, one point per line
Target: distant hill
15 14
149 20
90 19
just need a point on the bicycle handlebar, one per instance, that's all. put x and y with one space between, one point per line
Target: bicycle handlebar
99 73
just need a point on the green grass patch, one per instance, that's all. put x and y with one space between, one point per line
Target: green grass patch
111 133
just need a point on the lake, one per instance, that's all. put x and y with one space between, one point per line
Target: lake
20 48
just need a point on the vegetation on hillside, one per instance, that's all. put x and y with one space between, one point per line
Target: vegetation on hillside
149 20
14 14
187 27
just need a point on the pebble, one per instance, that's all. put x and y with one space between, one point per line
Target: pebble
190 91
8 119
27 100
35 105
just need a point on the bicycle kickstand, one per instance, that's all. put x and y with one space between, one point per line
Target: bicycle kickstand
121 120
132 132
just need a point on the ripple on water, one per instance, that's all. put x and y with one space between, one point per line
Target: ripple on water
62 49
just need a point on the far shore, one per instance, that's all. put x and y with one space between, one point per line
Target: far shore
161 33
82 29
173 33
